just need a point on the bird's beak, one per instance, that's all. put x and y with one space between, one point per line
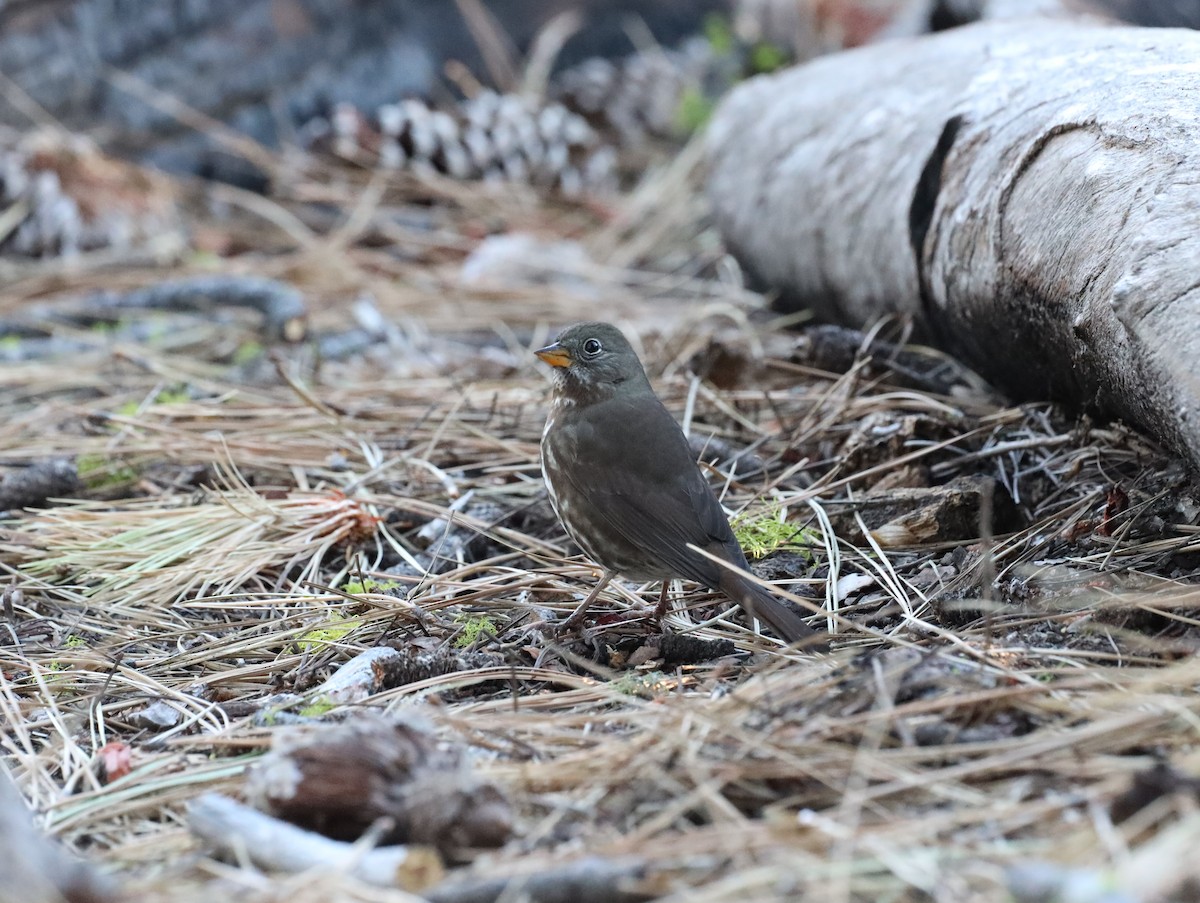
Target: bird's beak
555 355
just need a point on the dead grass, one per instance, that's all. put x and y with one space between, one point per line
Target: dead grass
987 698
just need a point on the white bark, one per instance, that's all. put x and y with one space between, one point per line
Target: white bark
236 830
1028 192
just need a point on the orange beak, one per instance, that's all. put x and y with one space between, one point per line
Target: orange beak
555 355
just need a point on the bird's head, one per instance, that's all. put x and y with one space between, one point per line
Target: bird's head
592 360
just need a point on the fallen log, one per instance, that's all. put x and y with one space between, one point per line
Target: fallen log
1151 13
1024 191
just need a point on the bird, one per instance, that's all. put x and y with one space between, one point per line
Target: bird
624 483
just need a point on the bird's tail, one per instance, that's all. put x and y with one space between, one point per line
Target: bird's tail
758 603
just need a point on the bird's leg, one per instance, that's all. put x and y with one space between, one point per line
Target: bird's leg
660 610
580 613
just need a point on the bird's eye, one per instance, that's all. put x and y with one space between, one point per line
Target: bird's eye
592 347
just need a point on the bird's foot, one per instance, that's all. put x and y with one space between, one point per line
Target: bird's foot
575 621
663 608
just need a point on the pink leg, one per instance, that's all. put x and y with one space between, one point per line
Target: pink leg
580 613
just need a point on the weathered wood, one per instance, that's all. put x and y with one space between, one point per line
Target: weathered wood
587 880
1152 13
31 486
234 829
1024 191
341 779
908 516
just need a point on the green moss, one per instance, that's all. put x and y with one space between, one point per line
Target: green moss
649 684
60 678
172 395
247 352
760 536
693 112
765 57
203 260
317 708
472 629
86 465
695 106
326 636
75 642
719 34
98 472
369 585
159 328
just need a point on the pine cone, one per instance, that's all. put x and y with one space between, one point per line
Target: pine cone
492 137
39 220
60 199
568 143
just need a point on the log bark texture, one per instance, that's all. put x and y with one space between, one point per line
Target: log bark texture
1151 13
1028 192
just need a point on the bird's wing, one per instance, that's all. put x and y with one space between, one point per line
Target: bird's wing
634 468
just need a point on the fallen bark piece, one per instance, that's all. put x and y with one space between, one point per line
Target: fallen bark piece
35 869
371 671
588 880
234 829
283 308
341 779
960 510
30 487
1021 190
382 668
682 649
31 333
